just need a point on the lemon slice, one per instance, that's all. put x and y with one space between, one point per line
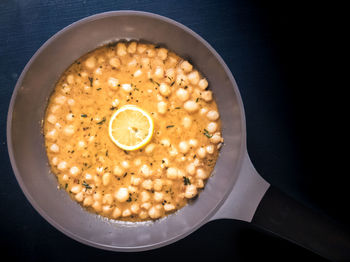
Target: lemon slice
130 127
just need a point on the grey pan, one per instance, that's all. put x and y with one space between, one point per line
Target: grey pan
234 191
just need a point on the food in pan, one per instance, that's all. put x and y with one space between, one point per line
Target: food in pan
132 131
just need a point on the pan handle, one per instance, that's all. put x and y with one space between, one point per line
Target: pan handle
253 200
289 219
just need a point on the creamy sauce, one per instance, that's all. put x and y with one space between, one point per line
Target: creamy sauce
150 182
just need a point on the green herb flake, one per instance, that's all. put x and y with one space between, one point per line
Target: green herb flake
186 181
207 134
91 81
154 82
102 121
83 115
170 126
172 83
86 185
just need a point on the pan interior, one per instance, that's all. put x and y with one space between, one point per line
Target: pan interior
26 143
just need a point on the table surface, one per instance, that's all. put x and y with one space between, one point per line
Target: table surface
273 52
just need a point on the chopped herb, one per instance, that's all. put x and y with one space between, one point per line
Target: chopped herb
102 121
197 99
207 134
185 87
172 83
66 185
126 152
126 173
91 81
87 186
194 156
170 126
129 199
107 153
83 115
98 89
113 107
177 107
154 82
186 181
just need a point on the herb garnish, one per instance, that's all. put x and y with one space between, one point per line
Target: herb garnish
102 121
83 115
91 81
170 126
172 83
207 134
186 181
87 186
154 82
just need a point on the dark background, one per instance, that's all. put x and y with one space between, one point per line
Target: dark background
285 57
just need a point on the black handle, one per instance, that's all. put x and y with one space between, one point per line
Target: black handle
285 217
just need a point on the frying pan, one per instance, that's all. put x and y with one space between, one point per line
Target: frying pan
234 191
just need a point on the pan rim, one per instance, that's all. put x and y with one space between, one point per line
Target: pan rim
22 185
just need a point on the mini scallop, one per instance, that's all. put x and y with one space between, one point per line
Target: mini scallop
114 62
162 107
54 148
132 47
62 165
213 115
186 66
52 119
182 94
149 148
191 106
159 72
162 53
74 171
186 122
122 194
164 89
212 127
183 147
201 152
203 83
90 62
210 149
193 77
207 96
113 83
69 130
51 134
172 173
191 191
121 49
216 138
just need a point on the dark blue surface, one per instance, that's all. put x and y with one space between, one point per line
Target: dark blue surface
273 51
